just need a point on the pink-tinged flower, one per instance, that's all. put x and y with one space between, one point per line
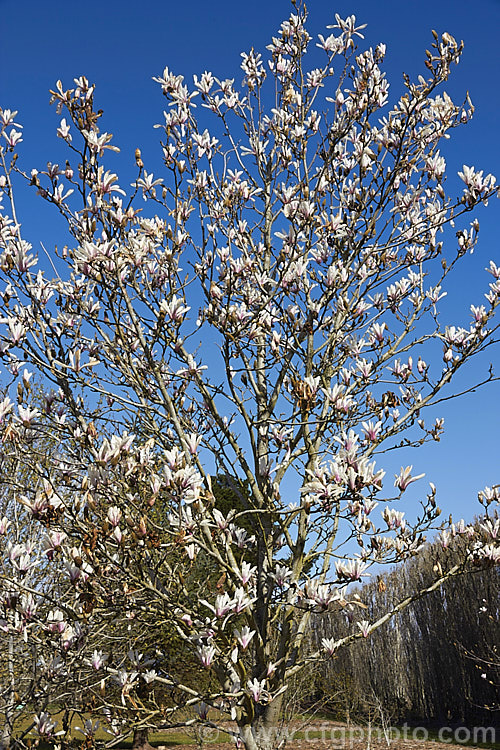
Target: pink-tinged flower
74 573
147 183
97 660
478 314
110 450
192 368
221 521
491 527
13 138
205 143
241 601
193 441
175 309
17 330
70 636
491 553
5 407
377 333
4 525
257 689
244 636
475 181
489 495
253 67
364 626
434 294
63 130
247 573
114 515
401 370
320 594
240 537
271 669
117 534
494 270
39 506
372 430
45 726
26 377
223 605
205 83
352 477
169 82
404 478
126 680
282 575
98 143
52 542
202 709
28 606
369 505
459 527
330 645
206 654
59 196
7 117
275 341
348 27
444 538
20 557
55 621
331 44
105 184
352 570
89 728
26 415
421 366
393 518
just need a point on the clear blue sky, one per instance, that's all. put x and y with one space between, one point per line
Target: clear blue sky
121 45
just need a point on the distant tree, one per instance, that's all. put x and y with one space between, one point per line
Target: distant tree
441 641
265 309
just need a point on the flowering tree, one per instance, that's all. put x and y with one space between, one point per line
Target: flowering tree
261 309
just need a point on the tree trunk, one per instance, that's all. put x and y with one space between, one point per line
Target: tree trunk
140 741
264 732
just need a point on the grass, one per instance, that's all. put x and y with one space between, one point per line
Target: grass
327 730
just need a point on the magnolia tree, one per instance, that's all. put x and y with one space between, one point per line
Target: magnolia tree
263 308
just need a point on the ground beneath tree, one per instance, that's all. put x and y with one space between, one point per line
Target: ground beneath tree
329 735
359 745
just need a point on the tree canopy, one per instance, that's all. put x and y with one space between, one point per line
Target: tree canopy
264 307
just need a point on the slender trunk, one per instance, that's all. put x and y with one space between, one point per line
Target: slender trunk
140 741
264 731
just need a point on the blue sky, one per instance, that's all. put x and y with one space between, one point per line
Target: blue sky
121 46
